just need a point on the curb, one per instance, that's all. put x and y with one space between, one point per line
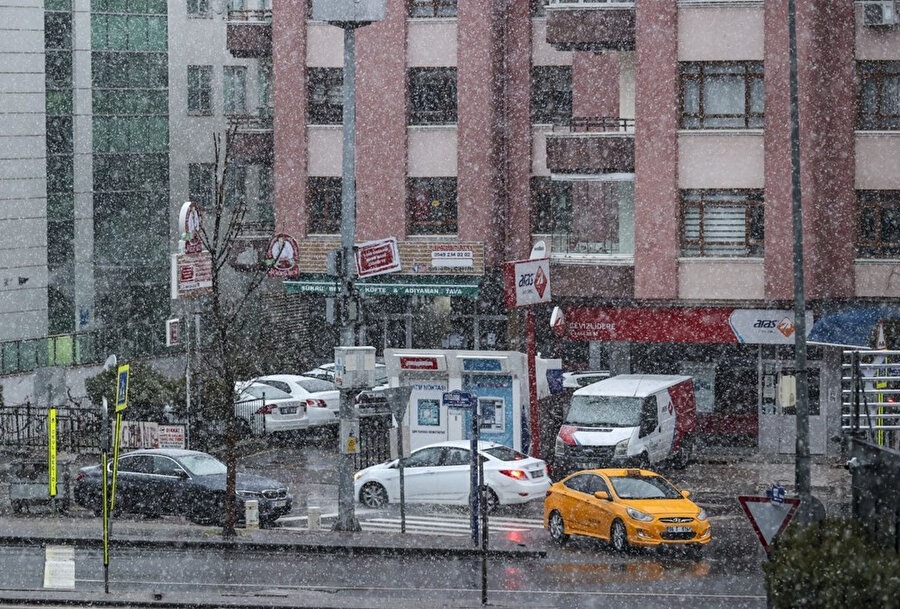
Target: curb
271 546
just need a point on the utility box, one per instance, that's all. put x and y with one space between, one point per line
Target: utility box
349 11
354 367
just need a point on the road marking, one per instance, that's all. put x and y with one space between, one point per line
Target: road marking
59 567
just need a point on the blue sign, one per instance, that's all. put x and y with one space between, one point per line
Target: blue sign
459 399
776 493
482 365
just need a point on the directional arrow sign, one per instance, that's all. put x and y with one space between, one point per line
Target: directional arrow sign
769 519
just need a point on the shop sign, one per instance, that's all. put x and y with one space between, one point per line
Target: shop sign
403 285
682 325
451 257
191 275
170 436
377 257
419 363
282 257
526 282
189 221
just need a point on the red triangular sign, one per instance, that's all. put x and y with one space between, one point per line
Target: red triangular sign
769 519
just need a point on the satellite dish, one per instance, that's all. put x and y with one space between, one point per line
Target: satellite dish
539 250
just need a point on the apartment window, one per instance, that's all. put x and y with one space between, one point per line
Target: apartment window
432 96
551 93
201 184
722 223
879 223
198 8
432 8
323 204
879 95
200 90
722 95
431 206
324 87
235 89
236 185
584 216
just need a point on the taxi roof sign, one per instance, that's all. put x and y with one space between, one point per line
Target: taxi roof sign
769 518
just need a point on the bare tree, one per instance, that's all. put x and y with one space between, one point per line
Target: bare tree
219 233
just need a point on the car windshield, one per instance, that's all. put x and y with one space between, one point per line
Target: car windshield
504 453
605 410
258 391
643 487
202 465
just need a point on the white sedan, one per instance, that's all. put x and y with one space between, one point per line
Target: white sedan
280 411
321 397
440 473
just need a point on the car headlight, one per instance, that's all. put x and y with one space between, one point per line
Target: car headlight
638 515
702 515
357 475
621 448
249 494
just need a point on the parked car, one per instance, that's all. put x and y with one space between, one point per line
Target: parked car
440 473
321 397
181 482
326 372
281 411
625 507
582 378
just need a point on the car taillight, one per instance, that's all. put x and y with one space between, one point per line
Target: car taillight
316 403
547 470
567 434
267 409
514 473
80 476
549 492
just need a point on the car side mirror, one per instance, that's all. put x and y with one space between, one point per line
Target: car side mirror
686 494
602 495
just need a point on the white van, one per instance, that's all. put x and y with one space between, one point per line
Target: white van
625 419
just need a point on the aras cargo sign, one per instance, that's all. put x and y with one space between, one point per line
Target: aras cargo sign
526 282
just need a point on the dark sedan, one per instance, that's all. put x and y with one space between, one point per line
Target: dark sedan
183 482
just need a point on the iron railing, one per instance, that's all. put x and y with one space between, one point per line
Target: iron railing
259 15
594 124
870 390
263 119
23 428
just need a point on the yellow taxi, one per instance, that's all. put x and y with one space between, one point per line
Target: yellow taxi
626 507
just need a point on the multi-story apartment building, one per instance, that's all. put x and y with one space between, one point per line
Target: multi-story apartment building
647 142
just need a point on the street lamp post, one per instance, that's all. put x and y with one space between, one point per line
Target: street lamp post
349 15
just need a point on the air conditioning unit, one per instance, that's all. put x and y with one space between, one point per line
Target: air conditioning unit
879 14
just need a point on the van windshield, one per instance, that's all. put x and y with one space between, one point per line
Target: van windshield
605 411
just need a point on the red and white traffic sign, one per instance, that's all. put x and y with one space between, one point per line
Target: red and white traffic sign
377 257
769 518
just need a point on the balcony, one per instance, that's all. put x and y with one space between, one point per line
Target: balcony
254 141
249 33
596 25
591 145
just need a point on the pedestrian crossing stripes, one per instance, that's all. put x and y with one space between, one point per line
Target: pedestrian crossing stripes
459 526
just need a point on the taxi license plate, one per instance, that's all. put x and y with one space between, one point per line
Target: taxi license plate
678 529
289 410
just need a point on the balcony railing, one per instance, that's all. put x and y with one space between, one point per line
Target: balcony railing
261 120
590 3
593 124
258 15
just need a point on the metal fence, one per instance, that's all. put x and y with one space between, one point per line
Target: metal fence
250 421
374 439
871 396
23 428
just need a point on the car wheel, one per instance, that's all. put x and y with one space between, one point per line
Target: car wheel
618 536
373 495
493 502
684 453
557 528
644 461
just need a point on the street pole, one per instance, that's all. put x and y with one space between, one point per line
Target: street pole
187 384
534 412
346 520
801 464
104 460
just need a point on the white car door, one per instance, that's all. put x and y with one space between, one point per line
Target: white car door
454 476
420 471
